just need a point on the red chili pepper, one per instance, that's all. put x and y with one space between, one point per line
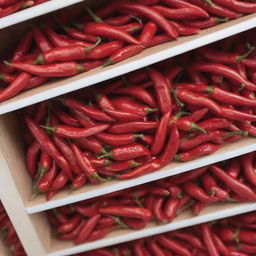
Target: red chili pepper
52 70
118 20
90 111
7 2
233 114
203 149
91 144
160 135
198 193
132 127
172 245
139 249
212 188
44 165
124 116
46 181
147 33
109 32
184 13
7 78
127 211
138 93
66 118
74 132
155 248
238 6
158 212
151 14
171 208
127 152
41 40
131 27
34 82
70 225
220 246
84 163
216 10
188 237
31 157
195 99
161 90
135 224
212 21
87 229
225 71
183 30
248 168
104 102
59 182
19 83
233 184
208 239
123 54
47 145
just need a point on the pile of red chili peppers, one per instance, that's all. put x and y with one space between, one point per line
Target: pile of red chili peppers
235 236
8 7
9 235
72 42
160 201
179 109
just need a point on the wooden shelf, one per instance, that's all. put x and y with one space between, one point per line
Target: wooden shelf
147 57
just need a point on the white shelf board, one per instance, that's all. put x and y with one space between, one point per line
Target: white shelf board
230 150
147 57
35 11
186 219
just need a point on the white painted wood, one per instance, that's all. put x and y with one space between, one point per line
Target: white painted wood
147 57
35 11
186 219
89 191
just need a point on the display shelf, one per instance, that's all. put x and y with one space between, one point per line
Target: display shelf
4 251
147 57
89 191
11 146
186 219
35 11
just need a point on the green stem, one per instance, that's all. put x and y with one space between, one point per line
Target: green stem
210 3
95 17
250 49
194 126
49 128
88 49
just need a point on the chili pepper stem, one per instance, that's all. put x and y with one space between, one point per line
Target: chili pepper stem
137 19
39 60
250 49
108 63
210 3
177 158
120 223
96 176
107 154
7 63
88 49
174 92
35 193
231 134
220 20
151 110
94 16
48 128
194 126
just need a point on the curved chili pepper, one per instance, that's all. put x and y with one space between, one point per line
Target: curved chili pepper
235 185
196 100
158 209
66 118
87 110
238 6
123 116
122 165
7 78
212 21
172 245
74 132
249 171
161 90
203 149
147 33
220 246
107 31
208 239
104 102
118 20
65 149
123 54
91 144
41 41
59 182
44 165
127 211
52 70
151 14
31 157
183 30
233 114
138 93
78 181
34 82
47 145
84 163
171 208
225 71
18 84
132 127
127 152
160 135
155 248
70 225
185 13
